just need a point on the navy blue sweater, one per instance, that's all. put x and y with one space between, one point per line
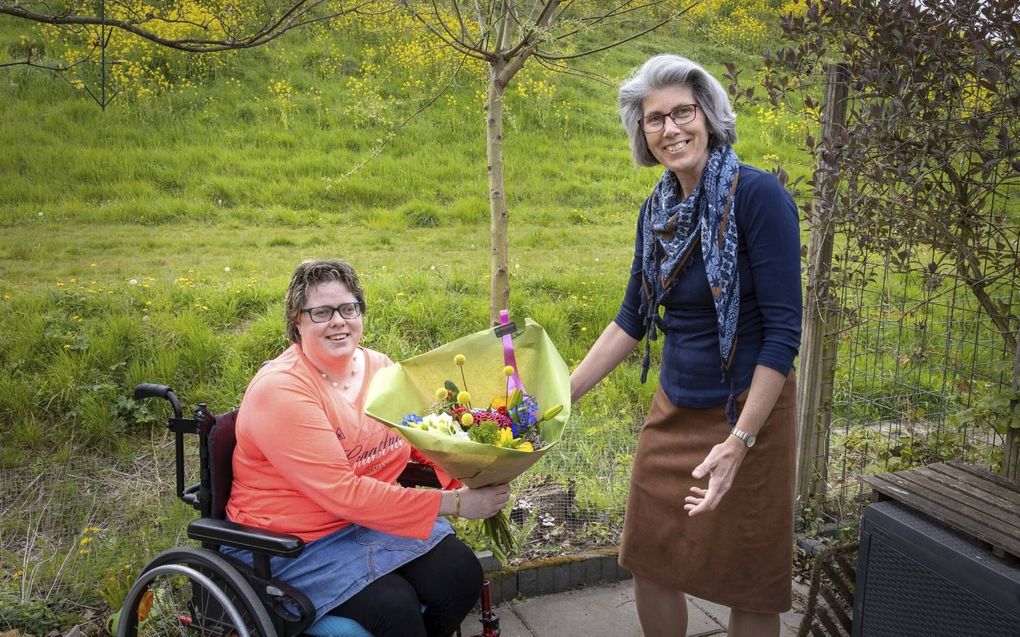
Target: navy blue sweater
768 328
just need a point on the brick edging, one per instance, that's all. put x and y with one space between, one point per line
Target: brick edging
550 575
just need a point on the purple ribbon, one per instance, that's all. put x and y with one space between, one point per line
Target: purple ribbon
513 382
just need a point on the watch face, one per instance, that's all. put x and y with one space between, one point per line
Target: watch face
750 441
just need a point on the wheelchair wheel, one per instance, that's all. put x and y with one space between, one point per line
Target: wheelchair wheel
188 592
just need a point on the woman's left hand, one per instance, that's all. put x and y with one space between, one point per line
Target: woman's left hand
721 465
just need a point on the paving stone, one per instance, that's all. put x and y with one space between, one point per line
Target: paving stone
606 610
553 604
603 611
789 621
510 625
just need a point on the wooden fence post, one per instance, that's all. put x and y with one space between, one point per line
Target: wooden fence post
1011 454
818 342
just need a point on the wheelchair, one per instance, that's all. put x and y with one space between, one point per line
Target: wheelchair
199 592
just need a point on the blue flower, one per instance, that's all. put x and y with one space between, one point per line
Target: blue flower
525 414
410 418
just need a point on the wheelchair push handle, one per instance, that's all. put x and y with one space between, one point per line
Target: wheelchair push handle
152 390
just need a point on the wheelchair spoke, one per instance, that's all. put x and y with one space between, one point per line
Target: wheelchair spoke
193 593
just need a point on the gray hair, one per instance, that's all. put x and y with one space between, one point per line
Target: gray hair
663 71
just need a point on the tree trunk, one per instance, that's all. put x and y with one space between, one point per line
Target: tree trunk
499 297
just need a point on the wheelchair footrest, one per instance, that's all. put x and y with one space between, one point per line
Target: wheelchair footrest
213 531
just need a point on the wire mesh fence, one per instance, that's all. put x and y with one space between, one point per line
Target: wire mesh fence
915 353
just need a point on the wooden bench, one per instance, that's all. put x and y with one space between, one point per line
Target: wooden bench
963 497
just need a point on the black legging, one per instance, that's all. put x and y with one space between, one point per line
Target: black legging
447 581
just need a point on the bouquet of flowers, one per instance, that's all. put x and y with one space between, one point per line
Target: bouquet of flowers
479 442
511 420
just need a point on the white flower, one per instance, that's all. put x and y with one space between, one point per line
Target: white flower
226 269
441 423
133 282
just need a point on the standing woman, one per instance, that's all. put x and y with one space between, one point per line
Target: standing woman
710 510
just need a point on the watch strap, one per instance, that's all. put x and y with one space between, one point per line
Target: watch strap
744 437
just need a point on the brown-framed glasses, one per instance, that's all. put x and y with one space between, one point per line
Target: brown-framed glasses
681 114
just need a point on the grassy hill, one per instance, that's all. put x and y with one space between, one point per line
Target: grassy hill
152 241
209 186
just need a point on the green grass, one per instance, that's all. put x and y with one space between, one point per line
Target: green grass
153 242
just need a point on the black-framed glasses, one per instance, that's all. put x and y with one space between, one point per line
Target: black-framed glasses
681 114
324 313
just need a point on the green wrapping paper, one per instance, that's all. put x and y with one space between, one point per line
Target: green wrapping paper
410 387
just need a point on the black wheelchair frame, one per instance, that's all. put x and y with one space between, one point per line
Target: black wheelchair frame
203 592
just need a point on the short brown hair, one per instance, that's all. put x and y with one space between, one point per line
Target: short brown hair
310 274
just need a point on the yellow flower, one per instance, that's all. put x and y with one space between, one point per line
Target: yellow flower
506 437
459 360
467 419
441 393
525 446
508 370
463 398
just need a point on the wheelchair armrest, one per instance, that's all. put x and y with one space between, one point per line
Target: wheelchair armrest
416 474
242 536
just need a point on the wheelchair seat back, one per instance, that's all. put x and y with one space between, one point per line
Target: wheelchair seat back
222 440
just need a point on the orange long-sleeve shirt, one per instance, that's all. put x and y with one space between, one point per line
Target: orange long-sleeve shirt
309 462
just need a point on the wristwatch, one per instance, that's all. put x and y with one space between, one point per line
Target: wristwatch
746 438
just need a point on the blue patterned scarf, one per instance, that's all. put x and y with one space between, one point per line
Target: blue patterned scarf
673 226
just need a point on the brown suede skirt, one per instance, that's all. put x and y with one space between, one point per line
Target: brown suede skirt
739 555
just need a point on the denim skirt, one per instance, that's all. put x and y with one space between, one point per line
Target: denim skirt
335 567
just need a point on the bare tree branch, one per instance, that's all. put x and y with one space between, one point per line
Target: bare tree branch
458 45
298 14
661 23
566 70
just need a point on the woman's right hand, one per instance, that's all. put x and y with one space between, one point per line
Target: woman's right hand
484 502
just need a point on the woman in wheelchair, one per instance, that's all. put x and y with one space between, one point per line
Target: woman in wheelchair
309 462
